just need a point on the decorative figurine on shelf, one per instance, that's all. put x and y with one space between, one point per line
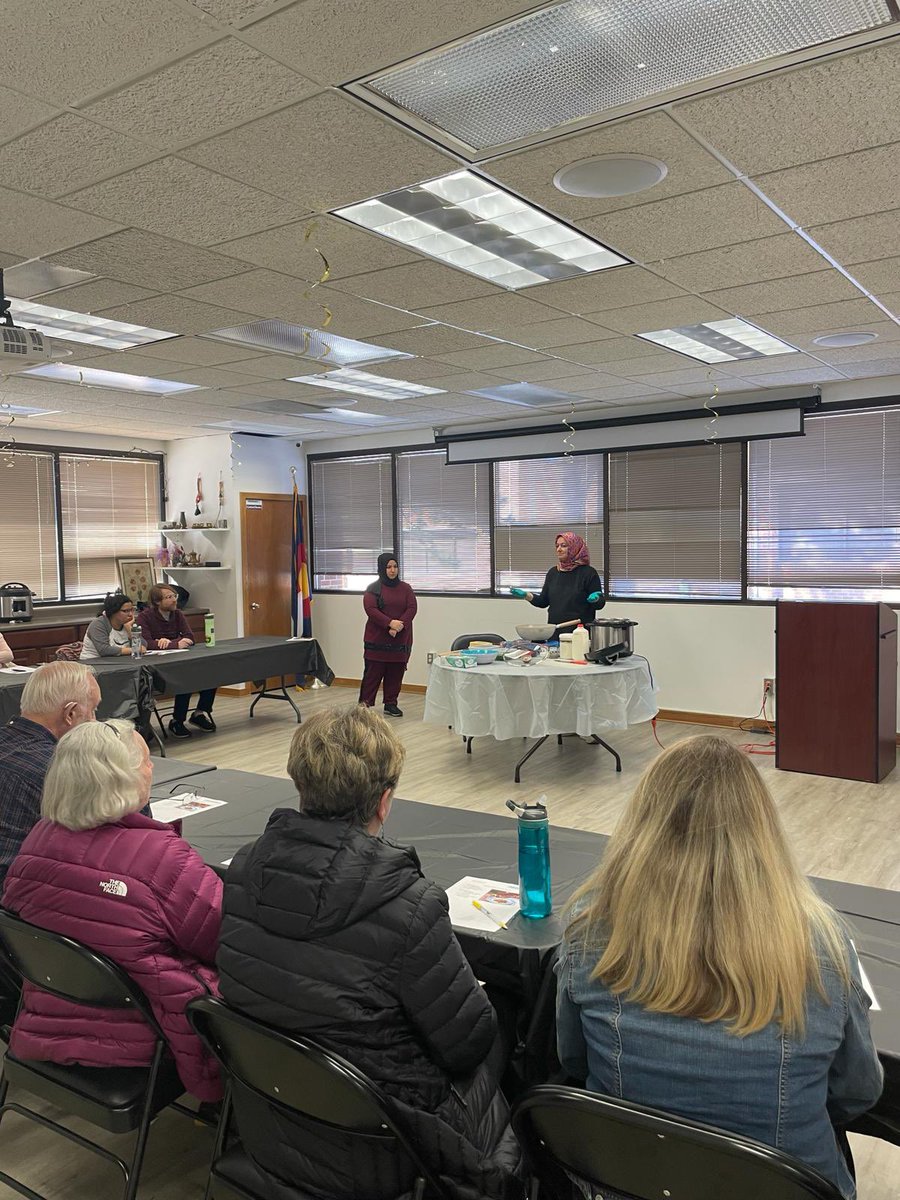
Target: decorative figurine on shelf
178 555
221 523
199 498
182 521
163 557
193 559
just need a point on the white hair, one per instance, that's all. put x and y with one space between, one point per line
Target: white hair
54 685
93 775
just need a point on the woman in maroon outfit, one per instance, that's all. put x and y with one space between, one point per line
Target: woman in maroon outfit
390 606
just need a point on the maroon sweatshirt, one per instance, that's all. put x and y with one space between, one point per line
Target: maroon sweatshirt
155 626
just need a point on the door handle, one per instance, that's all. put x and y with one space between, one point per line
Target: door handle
254 606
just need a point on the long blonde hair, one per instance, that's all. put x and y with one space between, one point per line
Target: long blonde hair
698 908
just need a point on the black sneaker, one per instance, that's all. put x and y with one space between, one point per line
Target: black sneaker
203 721
179 729
391 710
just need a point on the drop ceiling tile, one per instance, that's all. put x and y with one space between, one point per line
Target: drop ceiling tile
277 366
348 250
186 101
607 350
654 135
418 285
415 370
606 290
499 355
812 376
818 318
18 113
321 153
704 391
871 369
664 314
67 153
433 339
548 335
92 46
836 189
753 262
132 362
94 295
642 365
790 117
235 11
196 351
887 332
483 315
879 276
338 40
588 383
539 372
35 227
179 199
461 381
677 379
7 260
850 354
817 288
626 391
784 364
211 377
155 262
178 314
861 239
661 229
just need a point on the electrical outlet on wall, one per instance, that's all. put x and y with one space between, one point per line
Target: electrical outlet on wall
769 686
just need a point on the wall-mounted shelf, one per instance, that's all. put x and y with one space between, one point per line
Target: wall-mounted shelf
214 529
200 568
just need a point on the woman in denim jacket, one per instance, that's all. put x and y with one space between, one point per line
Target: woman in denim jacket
701 973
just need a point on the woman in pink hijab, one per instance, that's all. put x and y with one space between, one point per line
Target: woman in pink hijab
572 589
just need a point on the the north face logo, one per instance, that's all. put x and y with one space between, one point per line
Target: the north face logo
115 887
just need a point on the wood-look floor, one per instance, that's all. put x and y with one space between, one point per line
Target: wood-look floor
839 829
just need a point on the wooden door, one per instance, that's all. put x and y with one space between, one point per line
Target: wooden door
266 535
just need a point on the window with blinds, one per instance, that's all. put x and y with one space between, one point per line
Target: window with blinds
823 518
109 509
536 499
352 519
28 545
675 522
445 523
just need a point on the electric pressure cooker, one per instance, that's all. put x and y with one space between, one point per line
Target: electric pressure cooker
15 602
611 639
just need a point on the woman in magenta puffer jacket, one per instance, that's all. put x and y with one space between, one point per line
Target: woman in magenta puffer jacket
95 869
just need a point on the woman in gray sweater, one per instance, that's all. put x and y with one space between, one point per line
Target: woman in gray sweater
109 634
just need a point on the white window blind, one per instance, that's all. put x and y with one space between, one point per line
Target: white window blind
28 548
824 511
675 522
536 499
352 518
445 523
109 509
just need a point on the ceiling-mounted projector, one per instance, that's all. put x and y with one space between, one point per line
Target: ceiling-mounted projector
24 347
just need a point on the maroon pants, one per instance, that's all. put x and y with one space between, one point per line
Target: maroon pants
388 674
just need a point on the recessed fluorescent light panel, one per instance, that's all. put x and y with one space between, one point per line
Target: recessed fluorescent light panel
464 220
361 383
83 327
304 342
574 60
92 377
36 277
254 427
527 394
731 340
26 410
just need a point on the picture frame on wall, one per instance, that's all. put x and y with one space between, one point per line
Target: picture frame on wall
136 577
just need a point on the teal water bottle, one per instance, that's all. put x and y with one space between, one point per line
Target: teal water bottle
534 858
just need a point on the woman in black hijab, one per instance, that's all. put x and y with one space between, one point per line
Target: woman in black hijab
390 606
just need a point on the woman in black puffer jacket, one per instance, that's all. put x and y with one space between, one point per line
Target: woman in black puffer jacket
333 933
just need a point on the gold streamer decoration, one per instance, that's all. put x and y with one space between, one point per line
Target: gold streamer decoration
327 314
569 436
710 405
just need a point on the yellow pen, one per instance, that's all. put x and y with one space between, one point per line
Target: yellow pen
488 913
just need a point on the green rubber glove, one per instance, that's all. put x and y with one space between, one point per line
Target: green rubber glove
594 598
520 592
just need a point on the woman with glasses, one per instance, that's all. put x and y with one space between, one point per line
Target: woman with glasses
96 869
109 634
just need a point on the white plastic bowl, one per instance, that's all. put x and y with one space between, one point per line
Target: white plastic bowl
535 633
484 654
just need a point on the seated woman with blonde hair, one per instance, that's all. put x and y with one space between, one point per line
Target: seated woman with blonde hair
96 869
701 974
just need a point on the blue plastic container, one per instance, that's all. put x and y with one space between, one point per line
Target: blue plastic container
535 895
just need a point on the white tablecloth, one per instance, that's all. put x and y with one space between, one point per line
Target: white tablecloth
507 700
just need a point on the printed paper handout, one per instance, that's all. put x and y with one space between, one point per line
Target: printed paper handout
867 986
486 904
185 804
17 669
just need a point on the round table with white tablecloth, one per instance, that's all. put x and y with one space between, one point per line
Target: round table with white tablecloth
507 700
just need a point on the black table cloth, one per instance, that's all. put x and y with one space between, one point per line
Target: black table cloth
236 660
120 689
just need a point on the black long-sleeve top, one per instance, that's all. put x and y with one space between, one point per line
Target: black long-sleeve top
565 593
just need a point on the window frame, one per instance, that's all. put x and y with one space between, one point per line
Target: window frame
57 452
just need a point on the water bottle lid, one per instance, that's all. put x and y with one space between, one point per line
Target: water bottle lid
528 812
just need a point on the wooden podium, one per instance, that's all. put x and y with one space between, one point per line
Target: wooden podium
836 681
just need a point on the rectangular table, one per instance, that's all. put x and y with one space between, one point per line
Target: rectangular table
120 689
452 843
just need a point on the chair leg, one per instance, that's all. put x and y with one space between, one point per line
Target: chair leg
133 1171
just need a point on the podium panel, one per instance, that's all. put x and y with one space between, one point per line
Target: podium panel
836 679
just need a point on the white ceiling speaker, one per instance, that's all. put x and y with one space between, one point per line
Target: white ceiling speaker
610 175
836 340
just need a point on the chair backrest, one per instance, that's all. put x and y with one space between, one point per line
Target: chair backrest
70 652
69 969
648 1154
465 640
302 1077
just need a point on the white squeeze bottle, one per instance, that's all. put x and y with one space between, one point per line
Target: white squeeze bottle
581 641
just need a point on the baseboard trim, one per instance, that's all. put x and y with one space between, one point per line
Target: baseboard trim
419 688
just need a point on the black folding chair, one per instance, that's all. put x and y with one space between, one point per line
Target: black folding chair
625 1150
116 1099
302 1079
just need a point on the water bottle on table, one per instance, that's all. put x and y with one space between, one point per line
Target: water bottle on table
135 640
534 857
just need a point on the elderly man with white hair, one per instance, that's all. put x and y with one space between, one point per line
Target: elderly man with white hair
55 699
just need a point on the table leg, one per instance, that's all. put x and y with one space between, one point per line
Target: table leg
273 694
528 753
598 741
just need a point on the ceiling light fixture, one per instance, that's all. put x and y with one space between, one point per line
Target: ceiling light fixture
471 223
304 342
835 341
27 410
527 394
730 340
33 278
84 327
362 383
569 61
93 377
610 175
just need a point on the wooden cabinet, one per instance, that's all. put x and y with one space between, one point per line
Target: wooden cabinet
36 642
